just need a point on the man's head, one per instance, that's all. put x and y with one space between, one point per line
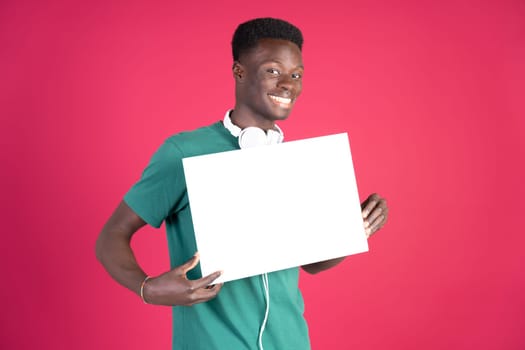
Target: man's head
268 69
248 34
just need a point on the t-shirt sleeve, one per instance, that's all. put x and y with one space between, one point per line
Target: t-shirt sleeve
161 187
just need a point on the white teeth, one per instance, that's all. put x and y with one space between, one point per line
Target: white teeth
284 100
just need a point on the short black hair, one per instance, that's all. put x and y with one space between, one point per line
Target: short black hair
248 34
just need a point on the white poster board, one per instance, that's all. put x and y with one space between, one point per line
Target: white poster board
270 208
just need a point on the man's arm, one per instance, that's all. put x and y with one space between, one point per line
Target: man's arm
321 265
375 214
113 250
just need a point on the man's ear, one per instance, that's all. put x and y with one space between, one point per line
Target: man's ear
238 72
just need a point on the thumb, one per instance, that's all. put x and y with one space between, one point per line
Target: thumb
190 264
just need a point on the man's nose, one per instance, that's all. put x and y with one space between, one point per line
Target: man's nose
285 82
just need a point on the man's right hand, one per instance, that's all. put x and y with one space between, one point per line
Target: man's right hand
113 250
174 288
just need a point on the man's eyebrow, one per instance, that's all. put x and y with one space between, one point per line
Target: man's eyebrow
279 62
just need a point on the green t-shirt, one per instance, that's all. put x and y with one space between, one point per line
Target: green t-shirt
233 319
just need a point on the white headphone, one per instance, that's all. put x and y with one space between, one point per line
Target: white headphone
253 136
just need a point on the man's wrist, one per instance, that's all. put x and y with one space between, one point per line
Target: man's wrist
142 288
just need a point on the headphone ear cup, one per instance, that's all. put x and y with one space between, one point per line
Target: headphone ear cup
274 137
280 137
252 137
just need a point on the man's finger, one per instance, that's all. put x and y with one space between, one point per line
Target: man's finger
190 264
370 205
205 294
372 216
205 281
377 223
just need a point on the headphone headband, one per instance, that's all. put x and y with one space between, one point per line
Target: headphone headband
253 136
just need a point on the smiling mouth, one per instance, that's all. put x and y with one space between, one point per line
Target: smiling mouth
284 102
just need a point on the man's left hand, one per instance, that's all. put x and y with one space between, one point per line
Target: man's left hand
375 213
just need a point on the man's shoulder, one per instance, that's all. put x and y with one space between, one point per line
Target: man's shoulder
195 135
205 139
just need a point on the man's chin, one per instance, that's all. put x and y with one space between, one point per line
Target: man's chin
279 118
282 114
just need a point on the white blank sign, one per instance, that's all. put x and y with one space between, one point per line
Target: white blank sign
270 208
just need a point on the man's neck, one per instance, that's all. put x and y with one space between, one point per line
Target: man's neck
244 119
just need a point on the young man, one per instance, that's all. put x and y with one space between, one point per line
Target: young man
268 71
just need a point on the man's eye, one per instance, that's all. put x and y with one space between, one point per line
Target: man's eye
296 76
273 71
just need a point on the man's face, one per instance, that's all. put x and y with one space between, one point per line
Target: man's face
271 79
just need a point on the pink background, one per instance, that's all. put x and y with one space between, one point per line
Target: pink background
431 94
